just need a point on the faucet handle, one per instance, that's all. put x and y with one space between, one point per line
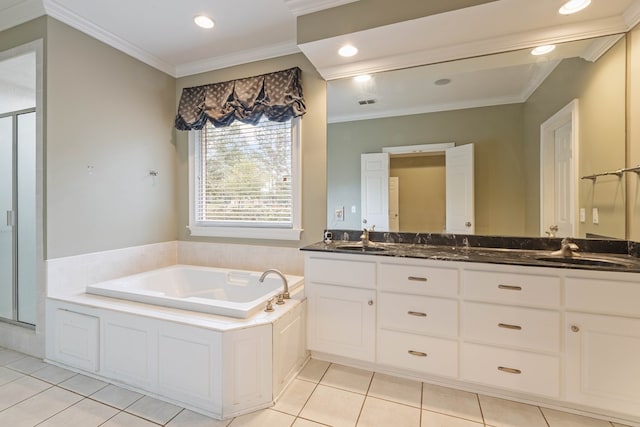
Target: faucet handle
269 306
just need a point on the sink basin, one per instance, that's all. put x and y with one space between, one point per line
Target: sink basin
360 248
596 262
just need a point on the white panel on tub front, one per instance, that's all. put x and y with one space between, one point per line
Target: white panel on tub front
247 380
289 346
76 339
129 344
190 365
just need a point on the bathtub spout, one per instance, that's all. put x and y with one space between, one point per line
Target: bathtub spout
285 294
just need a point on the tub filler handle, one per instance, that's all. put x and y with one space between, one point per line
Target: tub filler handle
269 307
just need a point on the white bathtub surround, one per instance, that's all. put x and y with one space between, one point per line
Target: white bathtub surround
241 257
72 274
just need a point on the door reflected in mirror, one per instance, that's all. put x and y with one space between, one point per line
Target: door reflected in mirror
498 103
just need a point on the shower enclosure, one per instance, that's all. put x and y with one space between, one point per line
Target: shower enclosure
18 242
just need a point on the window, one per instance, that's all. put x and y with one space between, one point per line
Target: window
245 180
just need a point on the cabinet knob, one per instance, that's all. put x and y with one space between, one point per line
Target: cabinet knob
574 328
370 302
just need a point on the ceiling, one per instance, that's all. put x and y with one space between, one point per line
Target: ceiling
161 33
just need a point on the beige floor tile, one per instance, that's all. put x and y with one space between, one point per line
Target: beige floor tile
27 365
266 417
565 419
7 375
313 370
347 378
450 401
434 419
505 413
333 406
83 385
396 389
86 413
294 397
19 390
301 422
122 419
378 412
116 396
53 374
38 408
154 410
8 356
188 418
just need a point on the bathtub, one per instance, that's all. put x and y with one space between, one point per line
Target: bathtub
205 289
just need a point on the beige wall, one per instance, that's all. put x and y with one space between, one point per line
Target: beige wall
314 150
109 122
633 136
499 160
600 90
422 195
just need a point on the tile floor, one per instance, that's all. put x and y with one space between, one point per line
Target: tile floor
34 393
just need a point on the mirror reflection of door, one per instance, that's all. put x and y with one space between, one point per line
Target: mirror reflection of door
558 144
426 191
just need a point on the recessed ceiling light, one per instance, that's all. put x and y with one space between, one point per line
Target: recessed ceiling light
573 6
347 50
203 21
442 82
362 78
542 50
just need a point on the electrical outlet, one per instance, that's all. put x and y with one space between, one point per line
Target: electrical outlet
594 214
339 214
583 215
353 209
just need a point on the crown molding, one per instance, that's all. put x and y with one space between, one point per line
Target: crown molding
599 47
632 15
538 78
304 7
19 13
237 58
61 13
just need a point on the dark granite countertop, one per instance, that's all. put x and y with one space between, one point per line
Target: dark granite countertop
605 255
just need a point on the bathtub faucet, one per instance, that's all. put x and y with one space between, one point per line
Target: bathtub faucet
285 294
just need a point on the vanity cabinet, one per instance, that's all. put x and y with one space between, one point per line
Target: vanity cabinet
602 342
341 301
567 337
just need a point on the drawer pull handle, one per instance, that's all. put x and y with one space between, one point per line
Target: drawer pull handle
416 313
417 353
510 287
509 370
508 326
416 279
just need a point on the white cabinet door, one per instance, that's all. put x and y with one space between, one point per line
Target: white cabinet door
75 339
374 176
601 363
342 321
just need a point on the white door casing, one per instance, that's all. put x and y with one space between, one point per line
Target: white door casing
460 203
558 171
374 181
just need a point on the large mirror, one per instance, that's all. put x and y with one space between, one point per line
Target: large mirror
539 124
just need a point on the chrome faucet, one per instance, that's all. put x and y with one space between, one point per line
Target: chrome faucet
285 294
567 248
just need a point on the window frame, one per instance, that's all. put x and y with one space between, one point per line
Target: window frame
293 232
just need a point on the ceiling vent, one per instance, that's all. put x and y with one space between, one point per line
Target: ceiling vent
367 101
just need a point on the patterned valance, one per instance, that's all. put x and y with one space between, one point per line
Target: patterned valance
277 95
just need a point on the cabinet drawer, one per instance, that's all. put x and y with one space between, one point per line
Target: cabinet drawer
512 288
418 353
512 326
424 315
357 274
603 296
418 279
512 369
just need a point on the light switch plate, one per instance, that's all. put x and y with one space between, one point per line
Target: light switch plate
339 214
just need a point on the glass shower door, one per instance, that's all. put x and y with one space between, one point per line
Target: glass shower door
7 219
